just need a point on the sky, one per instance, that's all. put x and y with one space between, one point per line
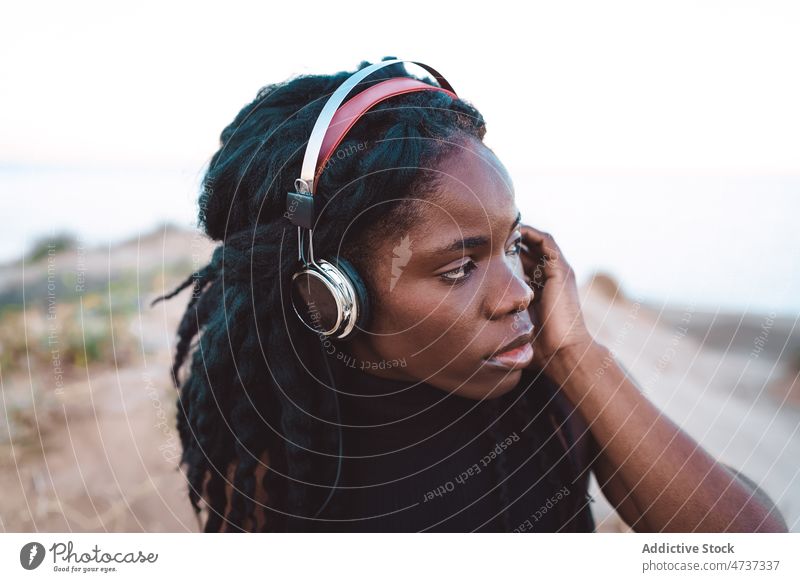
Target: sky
676 116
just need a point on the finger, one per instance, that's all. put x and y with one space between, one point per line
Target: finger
533 268
540 244
539 238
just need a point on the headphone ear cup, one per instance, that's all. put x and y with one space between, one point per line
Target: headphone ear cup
362 295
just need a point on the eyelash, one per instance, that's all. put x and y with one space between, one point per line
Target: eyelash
471 266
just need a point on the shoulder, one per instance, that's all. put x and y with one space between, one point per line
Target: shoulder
582 439
575 440
562 418
567 423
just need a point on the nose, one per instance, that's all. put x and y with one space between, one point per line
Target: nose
508 291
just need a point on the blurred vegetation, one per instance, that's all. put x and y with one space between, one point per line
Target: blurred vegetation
74 324
65 336
51 244
68 313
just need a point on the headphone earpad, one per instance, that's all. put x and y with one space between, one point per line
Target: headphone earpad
362 295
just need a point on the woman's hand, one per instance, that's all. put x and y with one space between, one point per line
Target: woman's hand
555 310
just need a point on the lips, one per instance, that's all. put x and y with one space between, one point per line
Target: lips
516 354
515 359
519 341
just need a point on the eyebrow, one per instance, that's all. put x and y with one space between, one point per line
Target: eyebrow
472 242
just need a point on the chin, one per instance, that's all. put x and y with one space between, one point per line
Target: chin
510 380
495 383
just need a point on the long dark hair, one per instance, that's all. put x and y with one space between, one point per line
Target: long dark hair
254 383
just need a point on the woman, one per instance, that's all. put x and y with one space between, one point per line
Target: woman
470 401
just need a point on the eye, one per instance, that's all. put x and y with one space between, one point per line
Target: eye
459 274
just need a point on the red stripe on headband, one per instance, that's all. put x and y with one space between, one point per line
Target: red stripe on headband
350 111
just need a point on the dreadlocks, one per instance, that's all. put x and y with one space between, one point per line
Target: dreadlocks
252 388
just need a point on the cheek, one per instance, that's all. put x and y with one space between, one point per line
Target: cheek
414 306
430 334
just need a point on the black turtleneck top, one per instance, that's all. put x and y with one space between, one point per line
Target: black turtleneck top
417 458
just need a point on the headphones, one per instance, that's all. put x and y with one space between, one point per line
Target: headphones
331 299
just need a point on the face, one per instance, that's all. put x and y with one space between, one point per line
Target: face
451 290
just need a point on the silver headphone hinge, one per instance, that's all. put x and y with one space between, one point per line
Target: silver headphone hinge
301 246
